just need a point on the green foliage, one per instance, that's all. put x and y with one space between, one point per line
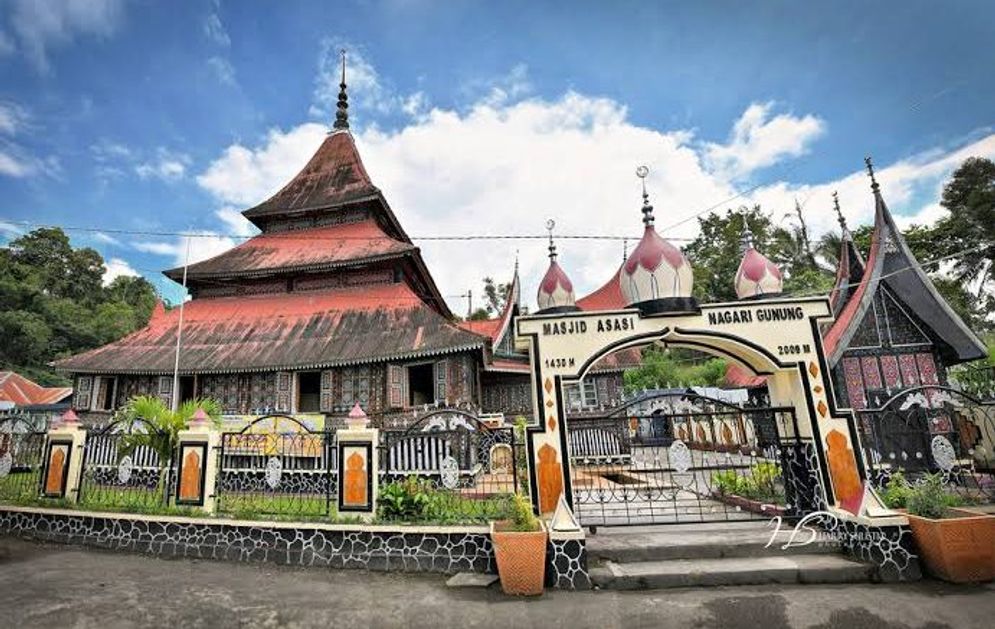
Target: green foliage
929 498
896 492
417 500
661 368
716 252
53 303
523 519
762 483
521 461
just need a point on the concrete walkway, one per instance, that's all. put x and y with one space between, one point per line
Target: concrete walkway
57 586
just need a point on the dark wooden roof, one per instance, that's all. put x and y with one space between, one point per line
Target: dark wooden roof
891 263
283 331
848 274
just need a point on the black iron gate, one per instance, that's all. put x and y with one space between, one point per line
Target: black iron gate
679 457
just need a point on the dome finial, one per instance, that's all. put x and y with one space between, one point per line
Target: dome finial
870 171
342 107
625 249
550 224
642 172
745 236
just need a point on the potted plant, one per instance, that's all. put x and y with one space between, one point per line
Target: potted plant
955 544
520 549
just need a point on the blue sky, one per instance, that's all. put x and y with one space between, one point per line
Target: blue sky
481 117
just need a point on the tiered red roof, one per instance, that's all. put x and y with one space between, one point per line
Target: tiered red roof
21 391
334 176
277 331
316 248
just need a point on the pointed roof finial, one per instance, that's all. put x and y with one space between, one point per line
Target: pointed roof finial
550 224
745 236
625 249
516 261
839 213
342 107
642 172
870 171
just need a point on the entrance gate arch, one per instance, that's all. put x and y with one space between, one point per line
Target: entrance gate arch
778 338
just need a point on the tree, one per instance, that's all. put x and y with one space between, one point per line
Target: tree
53 303
155 425
667 368
717 251
969 230
495 295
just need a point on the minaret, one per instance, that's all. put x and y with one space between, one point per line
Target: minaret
342 107
556 291
656 277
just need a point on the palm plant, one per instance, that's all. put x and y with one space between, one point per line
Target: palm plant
151 423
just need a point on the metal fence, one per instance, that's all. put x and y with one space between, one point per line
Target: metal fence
680 457
450 467
22 447
933 429
277 465
127 465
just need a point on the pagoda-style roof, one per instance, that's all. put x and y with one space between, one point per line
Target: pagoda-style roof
891 264
306 330
848 273
608 297
313 249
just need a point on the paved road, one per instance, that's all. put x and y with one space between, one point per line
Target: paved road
58 586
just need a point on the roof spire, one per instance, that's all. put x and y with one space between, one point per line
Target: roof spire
839 213
625 249
641 172
745 236
550 224
342 107
870 171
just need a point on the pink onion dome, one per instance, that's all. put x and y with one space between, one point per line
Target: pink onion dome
656 269
556 291
757 276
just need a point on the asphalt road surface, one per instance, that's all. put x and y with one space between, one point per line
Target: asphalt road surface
60 586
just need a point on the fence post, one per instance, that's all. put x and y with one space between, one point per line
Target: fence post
197 463
64 451
358 466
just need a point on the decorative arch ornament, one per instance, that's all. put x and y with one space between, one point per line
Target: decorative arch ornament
778 337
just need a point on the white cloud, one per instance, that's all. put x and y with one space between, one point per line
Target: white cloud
236 224
214 29
223 70
106 239
41 26
203 244
12 118
167 166
759 140
117 267
506 165
11 229
244 176
13 166
6 44
158 248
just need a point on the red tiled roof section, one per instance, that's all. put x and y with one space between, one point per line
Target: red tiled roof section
23 392
483 327
334 176
295 330
608 297
506 364
320 246
739 376
621 360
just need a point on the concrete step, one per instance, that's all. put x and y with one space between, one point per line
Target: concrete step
675 573
704 541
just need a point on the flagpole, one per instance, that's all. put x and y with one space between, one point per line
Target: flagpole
179 332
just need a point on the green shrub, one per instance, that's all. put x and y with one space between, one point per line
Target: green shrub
896 492
404 500
522 517
762 483
929 498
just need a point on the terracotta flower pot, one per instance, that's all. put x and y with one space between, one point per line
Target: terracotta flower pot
521 559
960 549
